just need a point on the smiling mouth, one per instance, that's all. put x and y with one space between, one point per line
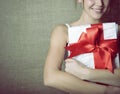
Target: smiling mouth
97 10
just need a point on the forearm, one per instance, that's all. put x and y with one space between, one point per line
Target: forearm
95 75
69 83
105 76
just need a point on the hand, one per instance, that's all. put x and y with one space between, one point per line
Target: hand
77 69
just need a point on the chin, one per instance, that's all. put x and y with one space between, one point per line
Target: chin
96 16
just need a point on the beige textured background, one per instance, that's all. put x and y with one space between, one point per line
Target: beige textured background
25 27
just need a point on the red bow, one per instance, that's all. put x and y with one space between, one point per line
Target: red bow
92 41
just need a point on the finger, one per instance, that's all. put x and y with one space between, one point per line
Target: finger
81 64
69 60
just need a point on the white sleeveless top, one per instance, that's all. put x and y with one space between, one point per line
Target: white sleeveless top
74 32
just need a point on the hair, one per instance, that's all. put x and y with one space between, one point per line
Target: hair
112 15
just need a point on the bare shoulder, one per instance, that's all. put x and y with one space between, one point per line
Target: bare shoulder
61 28
59 33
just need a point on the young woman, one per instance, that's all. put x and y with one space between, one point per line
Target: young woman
73 80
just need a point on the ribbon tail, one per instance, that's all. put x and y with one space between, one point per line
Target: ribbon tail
103 60
109 64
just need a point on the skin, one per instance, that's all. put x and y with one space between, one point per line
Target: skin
95 75
72 79
94 9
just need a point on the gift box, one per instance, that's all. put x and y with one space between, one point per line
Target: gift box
94 45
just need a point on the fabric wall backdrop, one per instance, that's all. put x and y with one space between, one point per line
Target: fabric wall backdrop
25 27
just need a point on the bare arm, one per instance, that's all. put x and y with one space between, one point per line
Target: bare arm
54 77
105 76
96 75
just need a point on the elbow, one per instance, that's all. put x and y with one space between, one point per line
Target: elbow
49 80
45 81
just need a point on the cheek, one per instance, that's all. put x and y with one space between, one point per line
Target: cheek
88 3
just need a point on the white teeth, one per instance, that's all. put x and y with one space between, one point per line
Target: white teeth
97 10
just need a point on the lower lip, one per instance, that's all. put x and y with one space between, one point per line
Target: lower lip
96 10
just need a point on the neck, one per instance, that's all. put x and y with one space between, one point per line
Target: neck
86 19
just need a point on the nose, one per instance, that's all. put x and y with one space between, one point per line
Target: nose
99 2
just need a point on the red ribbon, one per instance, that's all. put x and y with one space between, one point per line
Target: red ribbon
92 41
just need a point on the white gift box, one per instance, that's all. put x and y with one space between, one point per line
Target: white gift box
110 31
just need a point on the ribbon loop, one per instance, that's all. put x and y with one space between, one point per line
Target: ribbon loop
104 50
